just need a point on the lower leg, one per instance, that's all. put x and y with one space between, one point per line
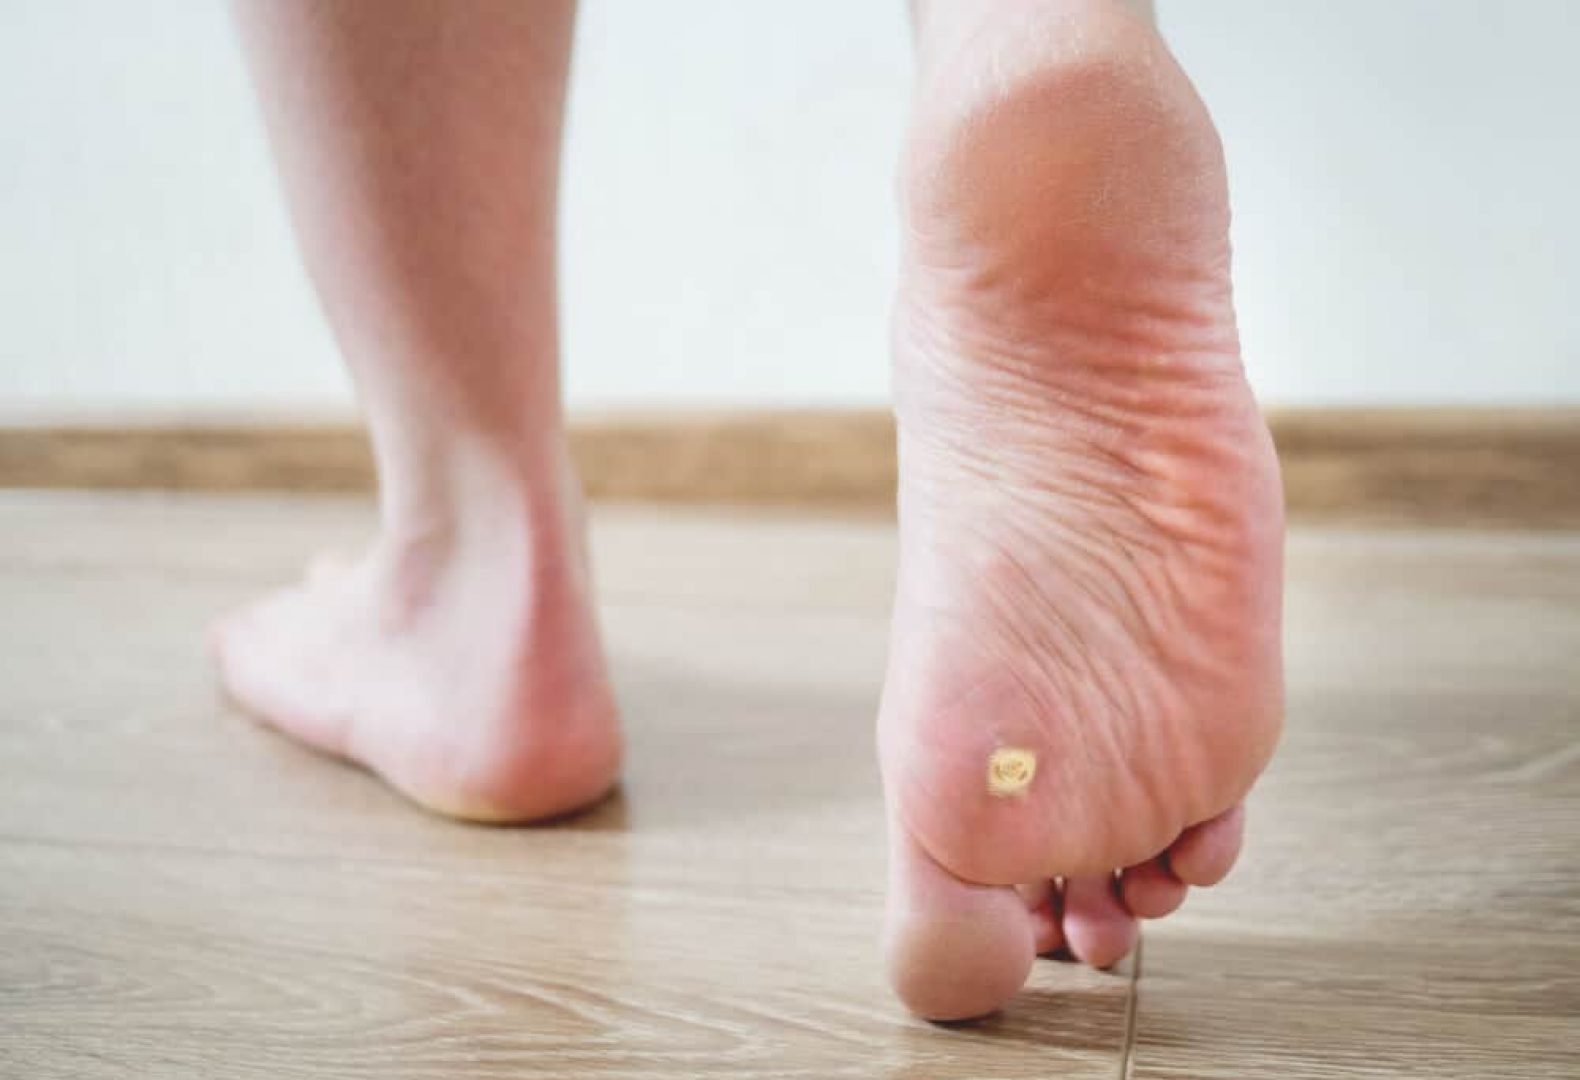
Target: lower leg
418 143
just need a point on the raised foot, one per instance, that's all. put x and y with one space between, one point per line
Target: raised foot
463 667
1085 674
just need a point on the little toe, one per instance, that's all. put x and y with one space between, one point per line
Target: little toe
1097 928
1204 853
1150 890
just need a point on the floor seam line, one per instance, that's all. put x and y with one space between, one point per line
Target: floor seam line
1127 1055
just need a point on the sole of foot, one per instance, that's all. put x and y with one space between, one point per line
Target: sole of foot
461 663
1085 672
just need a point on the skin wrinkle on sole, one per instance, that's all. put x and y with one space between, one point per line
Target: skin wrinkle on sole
1088 498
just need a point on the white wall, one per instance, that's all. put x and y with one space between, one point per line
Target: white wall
1404 179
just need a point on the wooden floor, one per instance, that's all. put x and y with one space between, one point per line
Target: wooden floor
184 895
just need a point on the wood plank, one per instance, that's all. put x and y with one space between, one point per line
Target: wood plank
125 962
183 894
1235 1005
1459 466
1409 900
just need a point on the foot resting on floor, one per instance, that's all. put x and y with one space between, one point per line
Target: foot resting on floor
458 659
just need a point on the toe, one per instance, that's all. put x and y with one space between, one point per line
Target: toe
275 682
955 950
1042 900
1204 853
1150 890
1097 927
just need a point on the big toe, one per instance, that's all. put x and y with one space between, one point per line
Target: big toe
264 669
956 950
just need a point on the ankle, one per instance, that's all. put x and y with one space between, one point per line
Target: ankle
503 511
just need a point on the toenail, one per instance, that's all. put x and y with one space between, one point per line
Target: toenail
1010 770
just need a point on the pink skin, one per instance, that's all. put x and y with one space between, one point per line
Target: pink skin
1090 515
1090 512
419 148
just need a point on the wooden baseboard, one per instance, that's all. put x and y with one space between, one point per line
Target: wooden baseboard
1439 466
1446 466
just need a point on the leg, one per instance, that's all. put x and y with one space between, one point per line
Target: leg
418 142
1085 670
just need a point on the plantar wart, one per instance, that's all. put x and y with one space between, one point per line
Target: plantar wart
1010 770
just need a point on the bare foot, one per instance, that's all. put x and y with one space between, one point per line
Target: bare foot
1085 676
459 659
